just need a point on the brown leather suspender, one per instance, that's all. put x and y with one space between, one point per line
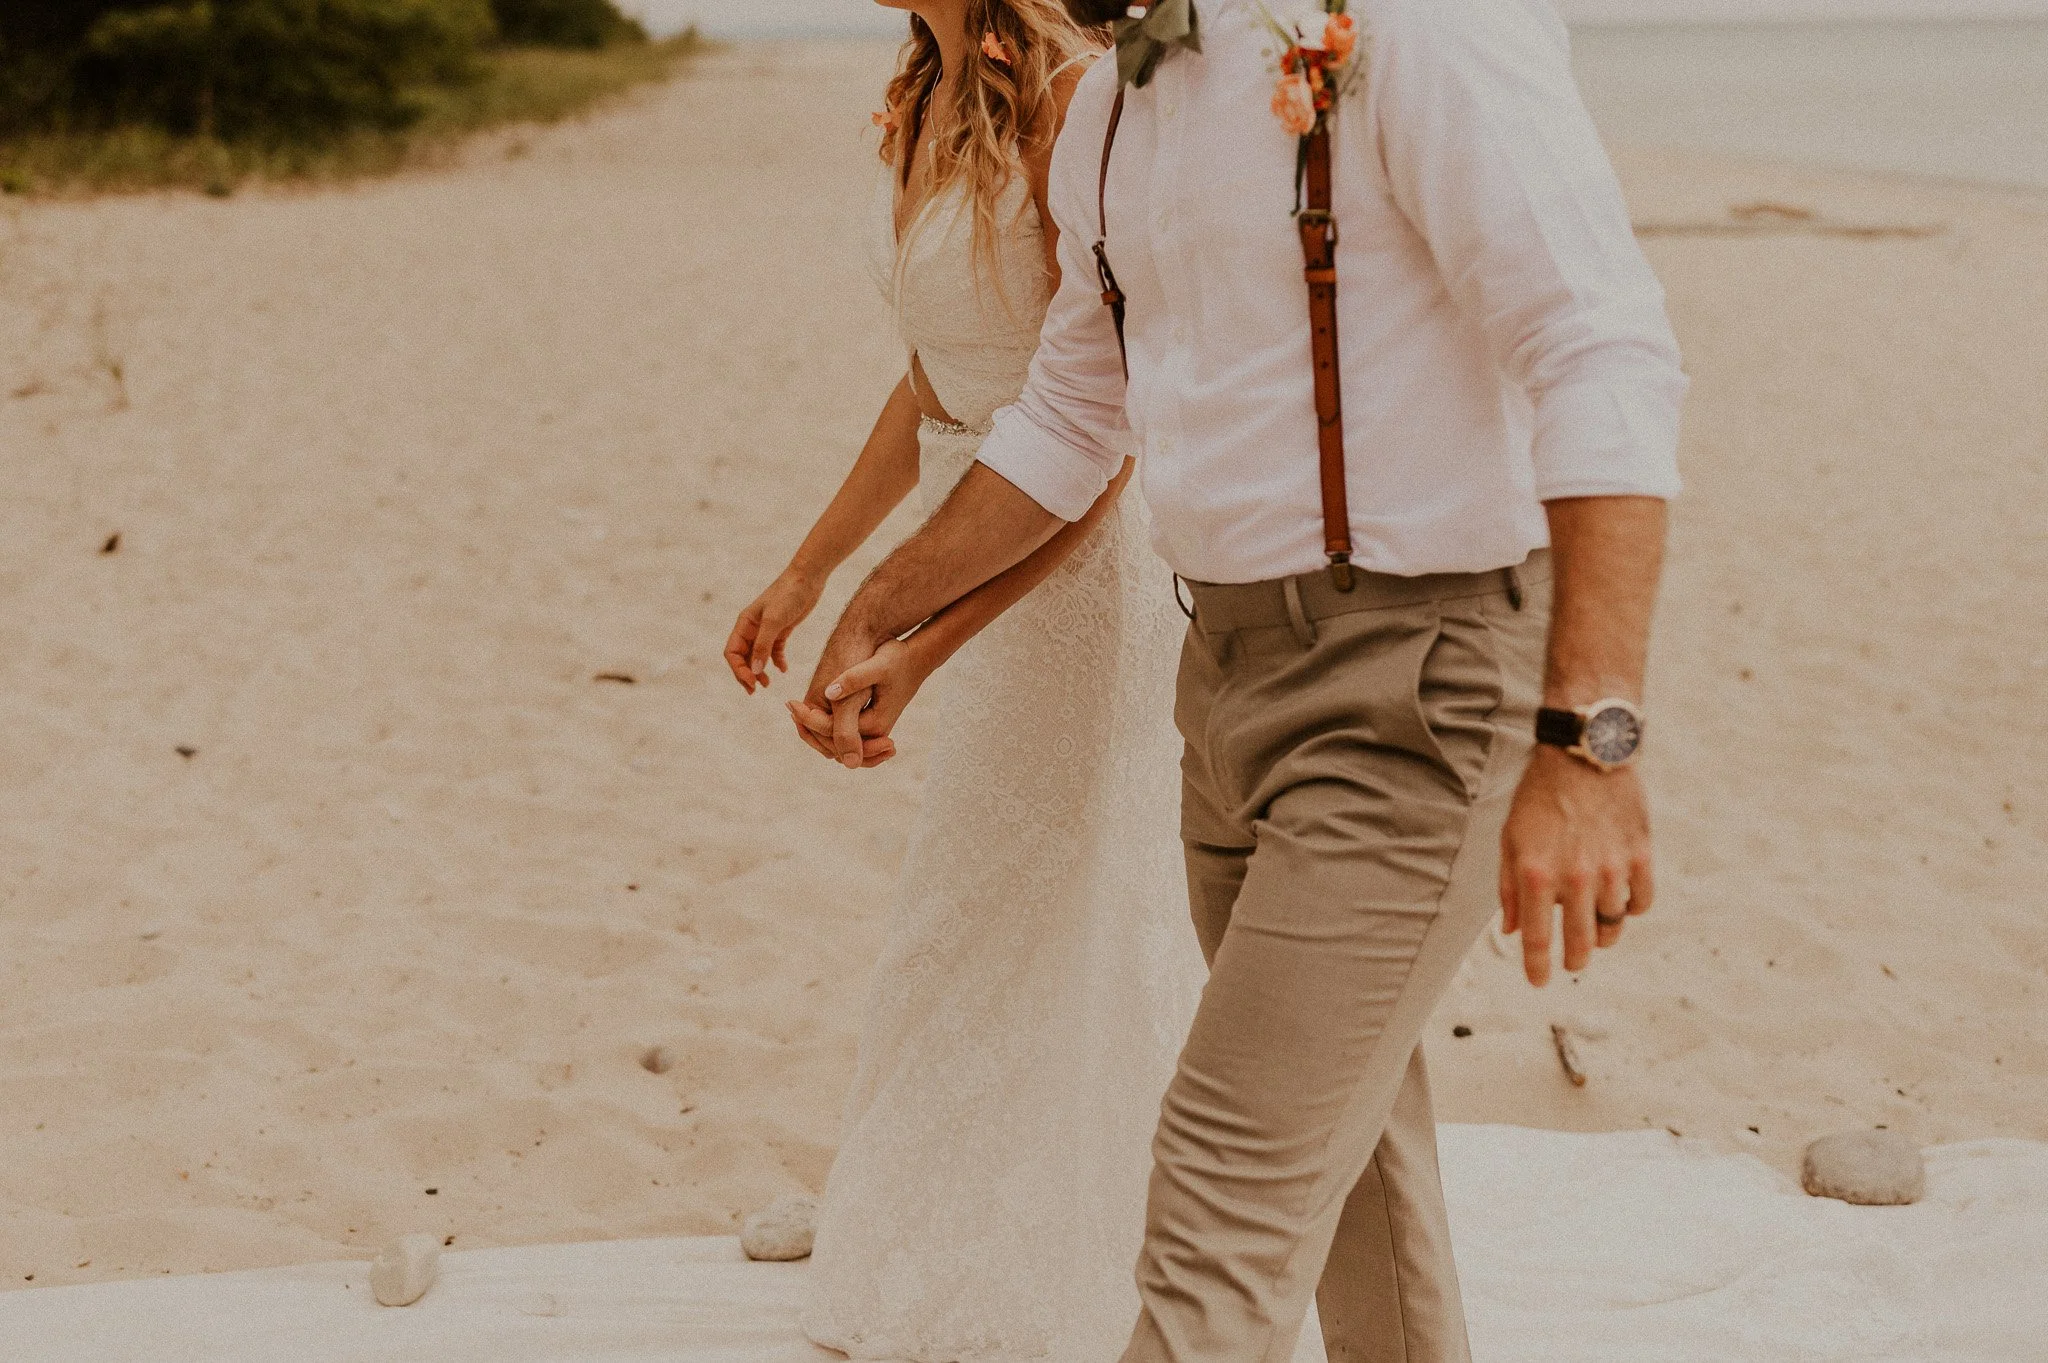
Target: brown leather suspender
1318 228
1112 296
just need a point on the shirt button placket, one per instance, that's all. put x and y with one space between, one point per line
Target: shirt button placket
1169 269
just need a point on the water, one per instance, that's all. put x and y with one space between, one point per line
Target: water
1954 99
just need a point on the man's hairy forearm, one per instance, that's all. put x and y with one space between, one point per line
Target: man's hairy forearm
984 528
1606 555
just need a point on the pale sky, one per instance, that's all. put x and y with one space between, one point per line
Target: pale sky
842 16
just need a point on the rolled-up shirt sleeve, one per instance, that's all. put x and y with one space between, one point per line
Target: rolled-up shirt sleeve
1065 436
1493 158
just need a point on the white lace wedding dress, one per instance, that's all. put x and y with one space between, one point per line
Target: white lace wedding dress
1040 972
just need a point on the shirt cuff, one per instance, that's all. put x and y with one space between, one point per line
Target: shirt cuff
1060 478
1607 438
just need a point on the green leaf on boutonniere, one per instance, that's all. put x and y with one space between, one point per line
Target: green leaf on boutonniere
1142 42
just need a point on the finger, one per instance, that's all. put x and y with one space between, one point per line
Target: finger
812 718
782 649
761 647
1535 894
738 650
1642 883
815 743
1576 898
1507 894
1610 906
846 728
862 676
875 751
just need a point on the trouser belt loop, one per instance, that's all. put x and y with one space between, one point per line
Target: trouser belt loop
1187 607
1513 578
1304 632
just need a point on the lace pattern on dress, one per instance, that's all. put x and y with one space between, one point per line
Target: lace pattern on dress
1039 972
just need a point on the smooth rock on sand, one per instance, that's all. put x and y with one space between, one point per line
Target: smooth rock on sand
1868 1168
403 1272
783 1231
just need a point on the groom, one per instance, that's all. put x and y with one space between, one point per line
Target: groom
1421 591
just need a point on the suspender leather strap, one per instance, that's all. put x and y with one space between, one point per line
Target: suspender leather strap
1112 296
1318 228
1319 265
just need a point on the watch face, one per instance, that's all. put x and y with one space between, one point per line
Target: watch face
1613 735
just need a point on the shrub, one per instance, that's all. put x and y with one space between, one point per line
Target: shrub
272 69
565 23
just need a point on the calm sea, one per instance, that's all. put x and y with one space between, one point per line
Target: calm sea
1957 99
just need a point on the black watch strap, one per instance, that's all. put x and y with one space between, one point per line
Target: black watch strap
1559 728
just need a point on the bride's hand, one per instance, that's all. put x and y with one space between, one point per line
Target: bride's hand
814 727
877 690
762 632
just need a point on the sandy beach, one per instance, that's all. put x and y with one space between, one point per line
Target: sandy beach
345 880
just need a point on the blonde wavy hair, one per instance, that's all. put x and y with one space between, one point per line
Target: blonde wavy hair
999 106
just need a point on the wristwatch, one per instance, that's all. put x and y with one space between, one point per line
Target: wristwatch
1606 734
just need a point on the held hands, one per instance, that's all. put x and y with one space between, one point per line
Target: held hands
762 632
860 690
1576 839
761 635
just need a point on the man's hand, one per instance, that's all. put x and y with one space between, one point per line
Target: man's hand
811 724
854 641
890 680
985 527
1577 839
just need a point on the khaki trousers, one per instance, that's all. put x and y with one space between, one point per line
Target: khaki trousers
1349 763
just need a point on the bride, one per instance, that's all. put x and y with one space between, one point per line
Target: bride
1039 973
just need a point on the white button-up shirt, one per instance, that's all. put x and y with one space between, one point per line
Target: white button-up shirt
1503 340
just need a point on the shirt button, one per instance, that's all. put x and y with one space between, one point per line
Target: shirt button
1168 107
1161 222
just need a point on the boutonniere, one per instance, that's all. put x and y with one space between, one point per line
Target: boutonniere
1314 70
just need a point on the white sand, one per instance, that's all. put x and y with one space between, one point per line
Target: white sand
1630 1247
399 469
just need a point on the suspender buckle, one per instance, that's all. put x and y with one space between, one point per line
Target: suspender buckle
1341 575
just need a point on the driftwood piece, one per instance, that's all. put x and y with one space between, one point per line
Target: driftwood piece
1866 231
1765 218
1567 1054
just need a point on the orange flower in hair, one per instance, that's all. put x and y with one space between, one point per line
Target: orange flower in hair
884 118
995 49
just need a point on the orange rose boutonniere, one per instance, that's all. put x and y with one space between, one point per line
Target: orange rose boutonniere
1314 71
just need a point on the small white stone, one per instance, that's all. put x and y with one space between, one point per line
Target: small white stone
782 1232
405 1270
1868 1168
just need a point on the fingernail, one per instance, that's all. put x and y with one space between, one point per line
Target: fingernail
832 691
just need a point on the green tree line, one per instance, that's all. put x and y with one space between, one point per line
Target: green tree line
264 70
